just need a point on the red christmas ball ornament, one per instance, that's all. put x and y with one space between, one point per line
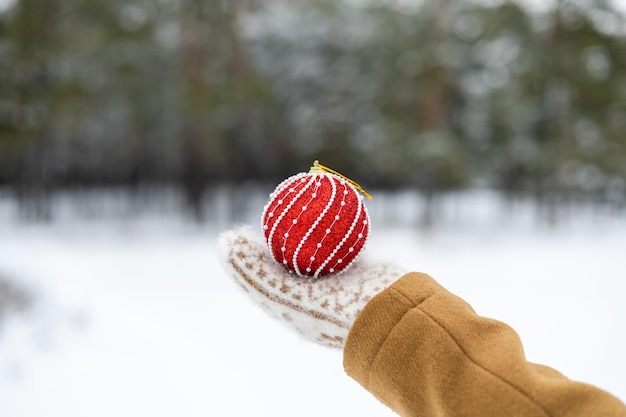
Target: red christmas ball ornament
316 223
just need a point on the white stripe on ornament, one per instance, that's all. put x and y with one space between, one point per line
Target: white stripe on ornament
347 235
341 206
314 225
280 218
294 261
279 189
332 179
361 236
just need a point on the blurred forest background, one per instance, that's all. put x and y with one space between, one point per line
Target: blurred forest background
429 95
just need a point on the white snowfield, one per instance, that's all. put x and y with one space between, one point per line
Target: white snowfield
133 316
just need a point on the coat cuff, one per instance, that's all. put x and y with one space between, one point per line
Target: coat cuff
377 319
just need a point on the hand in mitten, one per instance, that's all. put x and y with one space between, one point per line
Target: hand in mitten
322 309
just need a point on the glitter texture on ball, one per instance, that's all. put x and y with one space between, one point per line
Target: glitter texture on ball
316 223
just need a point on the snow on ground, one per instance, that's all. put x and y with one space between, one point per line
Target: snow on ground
132 315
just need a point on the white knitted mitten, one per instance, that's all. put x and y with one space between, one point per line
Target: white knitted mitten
321 310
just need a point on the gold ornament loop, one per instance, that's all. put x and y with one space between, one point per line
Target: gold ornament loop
318 168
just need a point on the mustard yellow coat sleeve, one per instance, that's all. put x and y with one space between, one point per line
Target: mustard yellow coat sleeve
425 353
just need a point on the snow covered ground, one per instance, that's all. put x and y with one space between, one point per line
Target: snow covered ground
132 315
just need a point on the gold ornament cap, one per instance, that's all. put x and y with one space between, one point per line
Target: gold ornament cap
318 168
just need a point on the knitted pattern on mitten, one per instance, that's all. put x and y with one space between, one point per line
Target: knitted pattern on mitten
321 310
